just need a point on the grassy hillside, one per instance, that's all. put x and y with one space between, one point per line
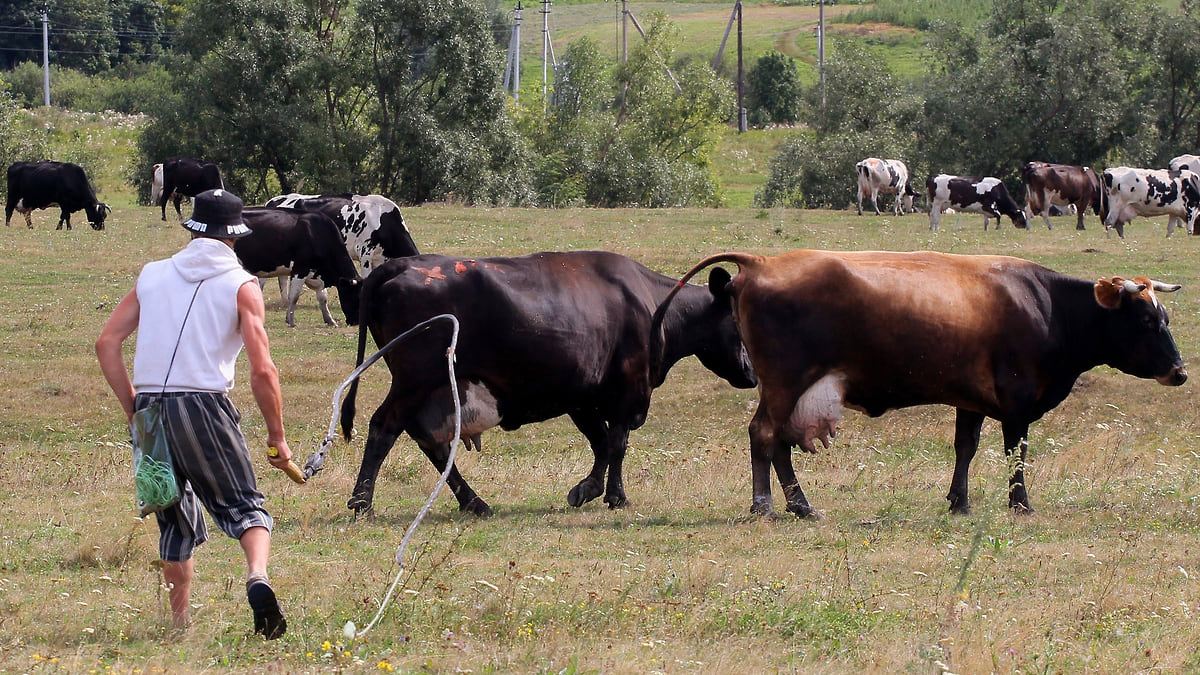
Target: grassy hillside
1102 578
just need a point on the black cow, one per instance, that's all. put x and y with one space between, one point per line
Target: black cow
38 185
981 195
305 247
184 177
992 336
543 335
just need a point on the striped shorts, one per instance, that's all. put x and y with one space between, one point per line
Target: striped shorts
212 464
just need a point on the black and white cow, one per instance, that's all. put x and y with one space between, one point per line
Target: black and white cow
181 177
1130 192
39 185
887 176
1189 162
371 225
980 195
543 335
304 246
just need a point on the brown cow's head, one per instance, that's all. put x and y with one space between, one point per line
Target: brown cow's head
1138 329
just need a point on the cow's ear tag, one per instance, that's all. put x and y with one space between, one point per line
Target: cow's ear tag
1108 293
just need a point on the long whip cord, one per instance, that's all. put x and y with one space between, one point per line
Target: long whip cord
316 461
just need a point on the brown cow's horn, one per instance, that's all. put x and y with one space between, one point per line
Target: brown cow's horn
1164 288
1132 287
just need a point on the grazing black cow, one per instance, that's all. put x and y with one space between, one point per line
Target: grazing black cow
981 195
543 335
992 336
39 185
304 246
371 225
184 177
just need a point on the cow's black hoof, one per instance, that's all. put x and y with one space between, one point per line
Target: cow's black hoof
586 491
804 511
478 507
1021 509
361 507
616 501
762 508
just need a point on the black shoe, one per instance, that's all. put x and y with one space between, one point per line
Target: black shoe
268 617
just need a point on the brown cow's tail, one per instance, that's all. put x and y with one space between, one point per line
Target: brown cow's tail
348 401
657 333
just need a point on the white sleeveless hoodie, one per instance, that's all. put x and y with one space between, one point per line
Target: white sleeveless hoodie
211 339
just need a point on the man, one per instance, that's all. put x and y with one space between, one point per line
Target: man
193 314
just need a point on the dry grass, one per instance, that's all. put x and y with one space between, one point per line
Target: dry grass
1103 578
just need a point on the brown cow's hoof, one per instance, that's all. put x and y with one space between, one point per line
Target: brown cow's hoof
478 507
586 491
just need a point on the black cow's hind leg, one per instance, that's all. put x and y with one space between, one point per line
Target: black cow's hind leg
384 429
1015 440
967 426
614 490
468 501
596 431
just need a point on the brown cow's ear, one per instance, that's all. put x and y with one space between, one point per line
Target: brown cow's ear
1108 293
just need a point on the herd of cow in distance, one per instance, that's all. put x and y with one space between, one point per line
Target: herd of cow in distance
1118 195
591 334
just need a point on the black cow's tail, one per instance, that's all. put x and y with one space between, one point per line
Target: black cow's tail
657 332
348 401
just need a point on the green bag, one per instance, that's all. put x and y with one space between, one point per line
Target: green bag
153 471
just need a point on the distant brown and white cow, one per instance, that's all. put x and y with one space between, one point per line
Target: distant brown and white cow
992 336
1130 192
980 195
40 185
1189 162
181 177
887 176
1062 185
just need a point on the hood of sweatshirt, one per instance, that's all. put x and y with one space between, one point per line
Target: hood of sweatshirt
205 258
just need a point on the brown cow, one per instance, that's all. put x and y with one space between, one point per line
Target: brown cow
1049 185
992 336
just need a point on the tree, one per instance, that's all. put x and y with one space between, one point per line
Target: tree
775 92
443 127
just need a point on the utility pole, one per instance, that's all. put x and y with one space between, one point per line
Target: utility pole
821 49
46 55
741 108
512 70
547 50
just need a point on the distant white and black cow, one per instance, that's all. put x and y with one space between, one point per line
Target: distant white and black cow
1189 162
1130 192
39 185
887 176
1065 186
980 195
303 246
181 177
371 225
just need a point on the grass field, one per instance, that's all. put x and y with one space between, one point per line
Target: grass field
1105 577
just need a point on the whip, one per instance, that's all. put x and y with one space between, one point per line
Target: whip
316 461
